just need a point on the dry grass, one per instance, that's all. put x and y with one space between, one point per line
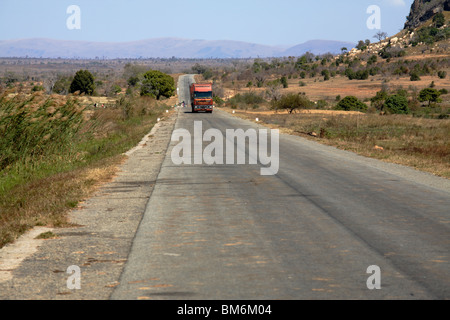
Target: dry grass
46 202
38 189
317 89
416 142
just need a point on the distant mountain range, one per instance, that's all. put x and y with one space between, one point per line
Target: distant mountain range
160 48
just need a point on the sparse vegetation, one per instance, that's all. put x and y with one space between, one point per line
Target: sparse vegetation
416 142
49 148
391 106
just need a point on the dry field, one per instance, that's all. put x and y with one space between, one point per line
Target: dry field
317 89
420 143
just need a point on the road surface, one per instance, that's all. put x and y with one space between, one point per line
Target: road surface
311 231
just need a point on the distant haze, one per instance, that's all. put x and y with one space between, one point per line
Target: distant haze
160 48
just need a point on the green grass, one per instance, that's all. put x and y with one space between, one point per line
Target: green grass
53 151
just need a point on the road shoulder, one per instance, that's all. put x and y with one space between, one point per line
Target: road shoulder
99 245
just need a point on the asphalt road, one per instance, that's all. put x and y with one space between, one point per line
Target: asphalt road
308 232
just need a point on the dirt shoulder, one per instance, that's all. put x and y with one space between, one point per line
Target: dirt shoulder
99 245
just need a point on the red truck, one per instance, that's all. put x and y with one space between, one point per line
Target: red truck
201 97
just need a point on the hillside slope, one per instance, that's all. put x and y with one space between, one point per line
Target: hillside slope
423 10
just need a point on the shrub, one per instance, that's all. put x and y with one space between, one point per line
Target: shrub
326 75
442 74
284 82
373 59
37 88
439 20
249 98
157 84
62 85
358 75
351 103
292 102
414 76
396 104
379 99
83 82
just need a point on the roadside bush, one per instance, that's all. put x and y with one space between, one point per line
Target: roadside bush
248 98
351 103
34 128
157 84
292 102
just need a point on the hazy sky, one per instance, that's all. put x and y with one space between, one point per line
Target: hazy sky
272 22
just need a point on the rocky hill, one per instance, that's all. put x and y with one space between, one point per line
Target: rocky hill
423 10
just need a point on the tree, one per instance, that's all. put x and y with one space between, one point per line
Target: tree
351 103
199 69
380 35
430 95
373 59
358 75
379 99
396 104
83 82
439 20
326 75
414 76
442 74
361 45
291 102
157 84
62 84
284 82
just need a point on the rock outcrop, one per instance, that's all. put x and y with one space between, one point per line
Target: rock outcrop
423 10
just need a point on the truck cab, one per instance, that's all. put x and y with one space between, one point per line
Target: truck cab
201 97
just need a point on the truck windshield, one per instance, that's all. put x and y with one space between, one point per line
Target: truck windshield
203 95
